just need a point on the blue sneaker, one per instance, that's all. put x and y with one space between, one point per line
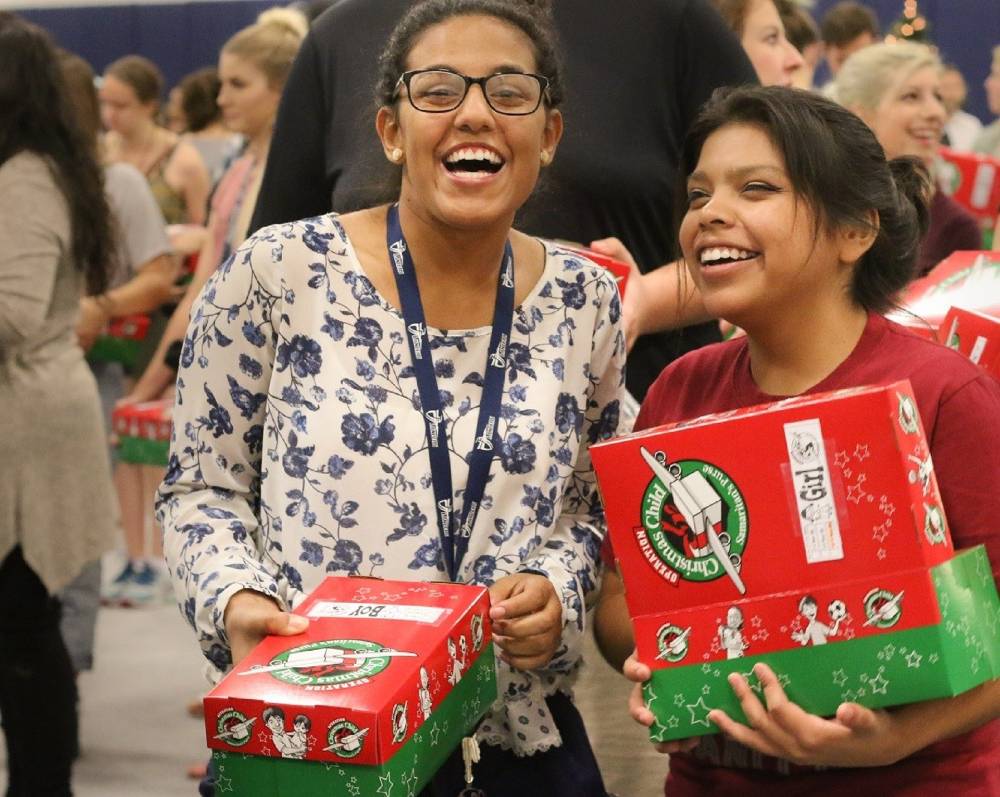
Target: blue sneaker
111 593
142 588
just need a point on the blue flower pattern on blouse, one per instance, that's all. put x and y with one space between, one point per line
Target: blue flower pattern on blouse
298 450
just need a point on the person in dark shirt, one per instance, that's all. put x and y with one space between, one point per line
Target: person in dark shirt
634 82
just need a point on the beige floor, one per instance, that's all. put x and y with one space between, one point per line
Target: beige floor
137 739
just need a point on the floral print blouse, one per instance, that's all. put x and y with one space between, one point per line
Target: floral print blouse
299 447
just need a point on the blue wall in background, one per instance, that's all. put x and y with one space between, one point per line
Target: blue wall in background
179 37
965 32
185 36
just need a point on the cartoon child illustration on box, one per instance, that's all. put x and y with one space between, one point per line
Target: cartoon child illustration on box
424 694
922 472
274 719
399 721
457 664
731 634
816 632
299 737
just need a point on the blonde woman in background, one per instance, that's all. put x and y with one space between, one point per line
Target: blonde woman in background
253 67
896 90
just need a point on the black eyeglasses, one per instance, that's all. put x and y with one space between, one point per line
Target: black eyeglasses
441 90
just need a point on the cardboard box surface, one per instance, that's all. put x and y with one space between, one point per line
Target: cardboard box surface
143 431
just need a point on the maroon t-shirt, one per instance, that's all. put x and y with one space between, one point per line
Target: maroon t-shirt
960 408
952 229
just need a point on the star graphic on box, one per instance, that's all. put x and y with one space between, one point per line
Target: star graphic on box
840 459
706 690
757 621
697 709
354 788
913 659
784 679
856 492
673 722
879 533
385 784
410 783
263 737
435 733
761 636
222 783
881 553
861 452
840 677
879 684
678 700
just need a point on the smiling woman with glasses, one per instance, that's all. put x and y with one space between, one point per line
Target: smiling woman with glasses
410 391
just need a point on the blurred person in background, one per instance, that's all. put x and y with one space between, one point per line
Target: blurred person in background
130 99
988 141
846 28
761 31
896 90
253 67
803 33
193 111
141 283
57 510
961 129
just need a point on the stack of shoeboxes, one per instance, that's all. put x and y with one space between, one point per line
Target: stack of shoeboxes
121 340
143 431
808 534
370 700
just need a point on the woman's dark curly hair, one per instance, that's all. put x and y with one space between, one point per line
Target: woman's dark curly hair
533 17
836 164
36 116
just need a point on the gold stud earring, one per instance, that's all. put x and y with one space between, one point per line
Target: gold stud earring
545 157
396 155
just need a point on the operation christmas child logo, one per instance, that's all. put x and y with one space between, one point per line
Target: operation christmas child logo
694 521
330 664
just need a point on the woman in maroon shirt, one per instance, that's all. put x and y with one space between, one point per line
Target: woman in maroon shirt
800 232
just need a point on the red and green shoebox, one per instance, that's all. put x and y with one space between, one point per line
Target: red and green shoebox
976 335
121 341
808 534
973 181
143 431
370 700
963 279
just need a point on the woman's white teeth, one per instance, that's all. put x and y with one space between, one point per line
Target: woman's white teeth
717 253
470 154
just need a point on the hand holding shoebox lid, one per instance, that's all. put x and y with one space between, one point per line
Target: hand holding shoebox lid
384 683
143 431
976 335
766 533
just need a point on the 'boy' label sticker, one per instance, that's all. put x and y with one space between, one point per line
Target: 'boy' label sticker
377 611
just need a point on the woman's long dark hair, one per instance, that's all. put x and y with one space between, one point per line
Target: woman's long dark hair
35 116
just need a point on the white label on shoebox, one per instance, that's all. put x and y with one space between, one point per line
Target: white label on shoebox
977 350
813 491
377 611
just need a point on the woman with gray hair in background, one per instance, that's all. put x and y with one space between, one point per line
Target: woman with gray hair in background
896 90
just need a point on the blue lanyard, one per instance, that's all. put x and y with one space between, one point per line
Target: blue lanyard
454 535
